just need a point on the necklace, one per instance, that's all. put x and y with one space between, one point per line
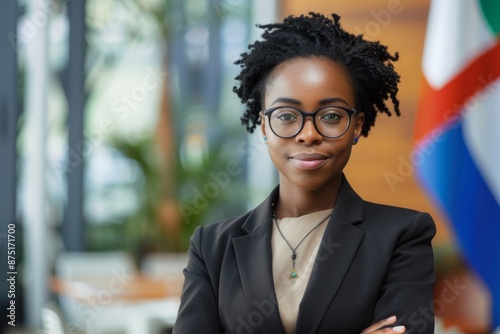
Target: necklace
293 275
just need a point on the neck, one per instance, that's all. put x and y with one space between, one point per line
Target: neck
295 202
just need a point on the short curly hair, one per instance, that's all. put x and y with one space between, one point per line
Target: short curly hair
369 64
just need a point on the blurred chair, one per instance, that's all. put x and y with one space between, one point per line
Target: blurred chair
82 265
101 312
163 265
51 320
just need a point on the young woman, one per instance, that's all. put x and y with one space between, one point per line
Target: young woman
313 257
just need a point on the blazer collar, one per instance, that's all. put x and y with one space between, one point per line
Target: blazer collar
337 249
349 205
261 215
335 255
253 257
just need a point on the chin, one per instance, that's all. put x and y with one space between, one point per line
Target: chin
310 184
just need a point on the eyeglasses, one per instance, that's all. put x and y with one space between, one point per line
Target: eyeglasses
329 121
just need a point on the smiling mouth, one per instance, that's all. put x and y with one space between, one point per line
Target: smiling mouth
308 161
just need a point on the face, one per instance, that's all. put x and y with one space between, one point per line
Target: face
310 161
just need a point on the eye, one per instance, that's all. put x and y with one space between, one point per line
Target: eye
286 115
331 117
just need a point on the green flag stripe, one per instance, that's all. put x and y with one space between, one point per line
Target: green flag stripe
491 11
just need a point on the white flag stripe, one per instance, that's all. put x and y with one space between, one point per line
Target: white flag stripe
461 24
481 135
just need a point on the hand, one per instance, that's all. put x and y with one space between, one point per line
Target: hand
376 327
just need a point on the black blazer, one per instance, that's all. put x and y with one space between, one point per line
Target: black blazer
374 261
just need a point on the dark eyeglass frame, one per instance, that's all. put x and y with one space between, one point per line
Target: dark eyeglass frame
350 112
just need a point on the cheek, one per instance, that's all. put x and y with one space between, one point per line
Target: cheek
277 149
341 151
274 145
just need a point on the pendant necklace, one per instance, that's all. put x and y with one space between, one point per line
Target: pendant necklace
293 275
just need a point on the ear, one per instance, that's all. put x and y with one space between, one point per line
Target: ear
262 124
359 120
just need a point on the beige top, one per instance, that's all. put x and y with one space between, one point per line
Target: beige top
289 294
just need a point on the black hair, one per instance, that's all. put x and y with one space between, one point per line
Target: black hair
369 64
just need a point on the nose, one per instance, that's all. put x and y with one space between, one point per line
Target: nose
309 135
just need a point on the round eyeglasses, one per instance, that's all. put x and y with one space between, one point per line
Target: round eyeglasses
329 121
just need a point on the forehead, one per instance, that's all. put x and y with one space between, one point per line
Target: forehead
309 79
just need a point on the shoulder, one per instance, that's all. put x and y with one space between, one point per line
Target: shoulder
383 211
388 211
398 219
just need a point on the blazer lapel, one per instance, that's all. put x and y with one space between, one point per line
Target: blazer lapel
254 261
337 250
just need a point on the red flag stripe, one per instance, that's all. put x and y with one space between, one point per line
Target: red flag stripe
439 107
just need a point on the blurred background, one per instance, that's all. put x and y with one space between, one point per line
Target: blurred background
120 134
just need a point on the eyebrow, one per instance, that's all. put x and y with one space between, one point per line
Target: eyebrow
298 103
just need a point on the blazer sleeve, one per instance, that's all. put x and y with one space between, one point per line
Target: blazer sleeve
407 291
198 312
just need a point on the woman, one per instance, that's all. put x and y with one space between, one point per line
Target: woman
313 257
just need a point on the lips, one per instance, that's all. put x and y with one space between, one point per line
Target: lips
308 160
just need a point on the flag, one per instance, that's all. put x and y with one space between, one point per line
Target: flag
457 134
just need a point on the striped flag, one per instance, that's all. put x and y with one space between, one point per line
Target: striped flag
457 133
